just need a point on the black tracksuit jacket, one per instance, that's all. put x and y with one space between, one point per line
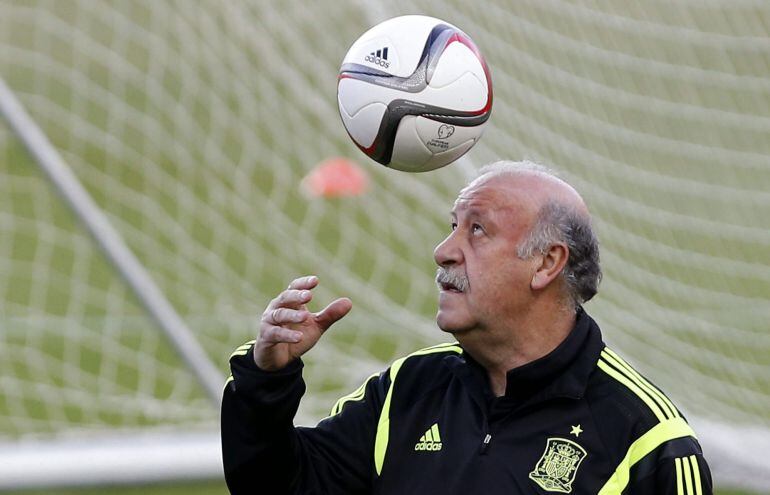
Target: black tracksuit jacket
579 420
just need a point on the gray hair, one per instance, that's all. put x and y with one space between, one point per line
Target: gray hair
557 222
505 167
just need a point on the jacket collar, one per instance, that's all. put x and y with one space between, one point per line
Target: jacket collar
563 372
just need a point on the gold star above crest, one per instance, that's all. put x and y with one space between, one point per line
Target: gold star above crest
576 430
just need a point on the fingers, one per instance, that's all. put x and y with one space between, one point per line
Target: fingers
297 294
288 330
290 298
333 312
282 316
277 335
307 282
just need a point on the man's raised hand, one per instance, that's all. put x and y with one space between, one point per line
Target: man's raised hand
288 330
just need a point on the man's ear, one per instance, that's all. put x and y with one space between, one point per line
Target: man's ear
551 265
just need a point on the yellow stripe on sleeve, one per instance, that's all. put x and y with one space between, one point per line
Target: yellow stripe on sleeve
243 349
696 475
679 486
654 438
634 375
604 366
687 475
356 395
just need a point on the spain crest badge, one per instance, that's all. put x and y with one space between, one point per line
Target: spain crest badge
557 467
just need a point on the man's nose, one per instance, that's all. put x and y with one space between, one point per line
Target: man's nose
448 252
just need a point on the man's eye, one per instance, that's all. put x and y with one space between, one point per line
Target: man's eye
476 228
454 225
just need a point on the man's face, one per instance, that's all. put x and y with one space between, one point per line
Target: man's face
484 281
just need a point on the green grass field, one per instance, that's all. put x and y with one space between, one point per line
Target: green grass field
192 129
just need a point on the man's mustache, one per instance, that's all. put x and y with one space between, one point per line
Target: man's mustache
453 278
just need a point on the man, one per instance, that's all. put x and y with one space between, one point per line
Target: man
529 399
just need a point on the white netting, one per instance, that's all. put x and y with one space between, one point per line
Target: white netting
76 354
192 125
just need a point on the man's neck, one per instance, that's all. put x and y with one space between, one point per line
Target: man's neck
517 343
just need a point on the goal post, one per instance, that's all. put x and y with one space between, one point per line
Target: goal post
191 128
110 242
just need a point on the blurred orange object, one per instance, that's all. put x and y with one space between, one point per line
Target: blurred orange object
334 178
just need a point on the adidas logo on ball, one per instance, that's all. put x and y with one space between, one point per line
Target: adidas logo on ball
380 57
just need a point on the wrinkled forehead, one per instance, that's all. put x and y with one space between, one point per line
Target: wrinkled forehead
497 194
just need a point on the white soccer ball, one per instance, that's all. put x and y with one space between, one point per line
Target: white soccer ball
414 93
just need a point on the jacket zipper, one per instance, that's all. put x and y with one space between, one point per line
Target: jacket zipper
485 444
487 436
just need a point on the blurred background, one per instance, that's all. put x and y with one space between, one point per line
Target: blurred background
192 124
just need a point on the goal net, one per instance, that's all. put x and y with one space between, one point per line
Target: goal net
192 125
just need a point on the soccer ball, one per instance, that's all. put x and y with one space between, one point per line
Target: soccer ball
414 93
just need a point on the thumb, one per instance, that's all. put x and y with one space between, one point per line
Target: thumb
333 312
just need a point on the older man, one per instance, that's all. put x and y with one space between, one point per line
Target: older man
528 400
